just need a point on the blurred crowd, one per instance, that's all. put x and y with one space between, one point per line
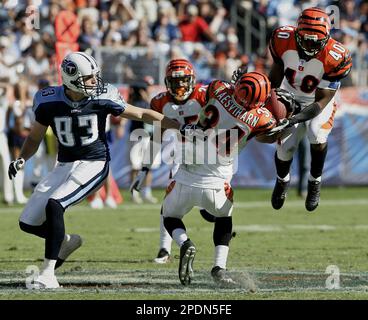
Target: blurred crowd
204 31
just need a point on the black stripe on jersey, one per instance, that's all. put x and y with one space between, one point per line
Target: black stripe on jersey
97 181
87 60
343 64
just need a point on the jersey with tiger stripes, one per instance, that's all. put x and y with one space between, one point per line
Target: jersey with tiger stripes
78 126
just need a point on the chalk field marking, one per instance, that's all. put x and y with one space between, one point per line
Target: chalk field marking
237 204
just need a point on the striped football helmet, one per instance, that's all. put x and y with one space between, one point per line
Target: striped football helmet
252 90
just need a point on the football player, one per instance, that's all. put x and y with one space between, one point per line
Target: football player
182 101
76 112
229 109
309 64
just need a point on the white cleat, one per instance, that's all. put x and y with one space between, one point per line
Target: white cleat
71 243
45 282
150 199
136 198
163 256
110 202
97 203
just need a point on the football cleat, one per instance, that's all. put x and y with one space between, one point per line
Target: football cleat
187 254
46 282
163 256
314 191
110 202
71 243
136 198
279 193
97 203
150 199
220 276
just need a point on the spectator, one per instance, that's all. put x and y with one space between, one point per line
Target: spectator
194 28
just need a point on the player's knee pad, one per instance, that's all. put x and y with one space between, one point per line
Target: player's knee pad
173 223
222 231
39 231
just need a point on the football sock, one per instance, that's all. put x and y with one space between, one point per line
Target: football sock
318 160
165 239
48 267
222 231
313 179
55 229
221 253
282 167
173 223
285 179
179 236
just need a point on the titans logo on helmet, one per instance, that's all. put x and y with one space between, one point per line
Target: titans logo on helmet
69 67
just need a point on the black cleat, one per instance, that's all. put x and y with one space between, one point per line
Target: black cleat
187 254
314 191
279 193
220 276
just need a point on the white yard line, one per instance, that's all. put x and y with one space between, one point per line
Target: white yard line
237 204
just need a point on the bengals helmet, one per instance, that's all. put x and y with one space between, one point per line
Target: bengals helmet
252 90
312 31
180 79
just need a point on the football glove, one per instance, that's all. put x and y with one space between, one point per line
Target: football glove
283 124
288 98
237 73
15 166
139 179
190 130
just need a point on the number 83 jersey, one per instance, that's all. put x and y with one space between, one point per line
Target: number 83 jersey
302 75
78 126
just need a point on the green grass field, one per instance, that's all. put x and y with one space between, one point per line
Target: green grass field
283 253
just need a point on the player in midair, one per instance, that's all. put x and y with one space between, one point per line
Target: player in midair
309 64
182 101
234 114
76 112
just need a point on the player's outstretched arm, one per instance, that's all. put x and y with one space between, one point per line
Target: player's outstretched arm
323 97
149 116
29 148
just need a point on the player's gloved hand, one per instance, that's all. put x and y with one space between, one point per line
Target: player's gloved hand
139 179
190 130
283 124
237 73
289 100
15 166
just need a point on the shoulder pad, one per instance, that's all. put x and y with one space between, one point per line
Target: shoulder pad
337 61
282 39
